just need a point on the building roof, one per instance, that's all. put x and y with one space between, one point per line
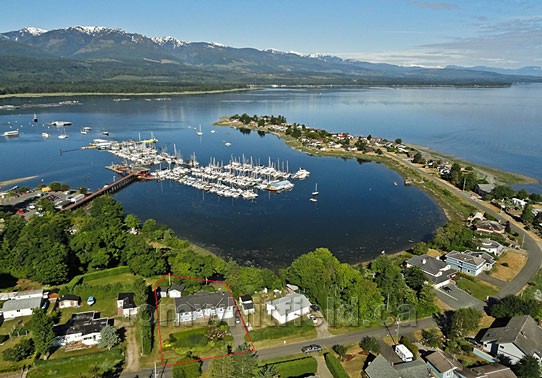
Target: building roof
202 300
381 368
487 188
127 299
465 258
443 361
22 304
84 323
483 255
179 288
290 303
37 292
494 370
489 243
489 225
522 331
413 369
70 297
428 264
246 298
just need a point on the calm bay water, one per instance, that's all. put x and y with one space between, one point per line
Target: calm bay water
360 211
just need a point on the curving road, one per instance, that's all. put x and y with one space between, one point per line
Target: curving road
532 243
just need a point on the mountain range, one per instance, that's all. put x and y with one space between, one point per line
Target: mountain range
95 58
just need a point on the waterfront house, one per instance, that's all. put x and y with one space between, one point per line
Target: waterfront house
489 227
491 246
518 202
520 337
442 364
69 300
126 305
288 308
484 189
83 327
469 262
15 308
436 271
247 304
204 305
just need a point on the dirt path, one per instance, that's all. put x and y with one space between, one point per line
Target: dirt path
132 350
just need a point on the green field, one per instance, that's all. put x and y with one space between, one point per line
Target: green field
477 289
294 328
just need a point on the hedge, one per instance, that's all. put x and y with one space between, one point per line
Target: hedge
334 365
296 368
98 274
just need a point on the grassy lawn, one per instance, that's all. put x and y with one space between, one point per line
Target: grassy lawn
195 340
107 307
87 365
478 289
303 328
354 360
124 278
515 261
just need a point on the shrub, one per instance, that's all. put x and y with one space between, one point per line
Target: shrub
3 338
20 351
370 344
335 367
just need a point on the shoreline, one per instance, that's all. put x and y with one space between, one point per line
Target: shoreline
16 181
129 94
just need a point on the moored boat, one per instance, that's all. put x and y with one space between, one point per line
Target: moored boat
11 133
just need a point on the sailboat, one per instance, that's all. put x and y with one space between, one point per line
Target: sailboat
316 192
63 136
199 133
35 118
312 199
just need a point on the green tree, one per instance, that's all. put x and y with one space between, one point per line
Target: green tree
42 331
108 337
418 158
340 350
19 351
132 221
141 291
370 344
527 215
245 362
527 367
512 305
522 194
455 175
463 321
502 192
414 278
55 186
420 249
432 337
398 141
223 367
269 371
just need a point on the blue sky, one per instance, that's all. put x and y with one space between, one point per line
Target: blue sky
501 33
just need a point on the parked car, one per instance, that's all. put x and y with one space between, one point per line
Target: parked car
311 348
446 289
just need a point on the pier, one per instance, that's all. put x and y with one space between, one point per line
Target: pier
106 189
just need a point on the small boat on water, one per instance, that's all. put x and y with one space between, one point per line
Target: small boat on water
87 128
316 192
227 144
106 133
63 136
35 118
313 200
11 133
213 131
60 123
83 131
45 135
199 132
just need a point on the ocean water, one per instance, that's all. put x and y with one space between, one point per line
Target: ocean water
360 211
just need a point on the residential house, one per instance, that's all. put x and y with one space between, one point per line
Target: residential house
247 304
518 202
204 305
29 294
126 305
494 370
15 308
484 189
436 271
443 365
288 308
491 246
520 337
83 327
69 300
175 291
381 368
162 291
477 216
470 262
489 227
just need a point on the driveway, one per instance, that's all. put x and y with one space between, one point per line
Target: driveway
457 298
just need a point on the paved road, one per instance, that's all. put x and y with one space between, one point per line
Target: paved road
457 298
532 244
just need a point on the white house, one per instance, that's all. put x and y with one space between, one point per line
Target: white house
519 202
520 337
436 271
83 327
126 305
15 308
247 304
204 305
175 291
288 308
491 246
69 300
443 365
29 294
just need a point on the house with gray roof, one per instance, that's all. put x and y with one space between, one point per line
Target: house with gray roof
83 327
382 368
521 336
443 364
436 271
289 307
470 262
491 246
204 305
15 308
494 370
